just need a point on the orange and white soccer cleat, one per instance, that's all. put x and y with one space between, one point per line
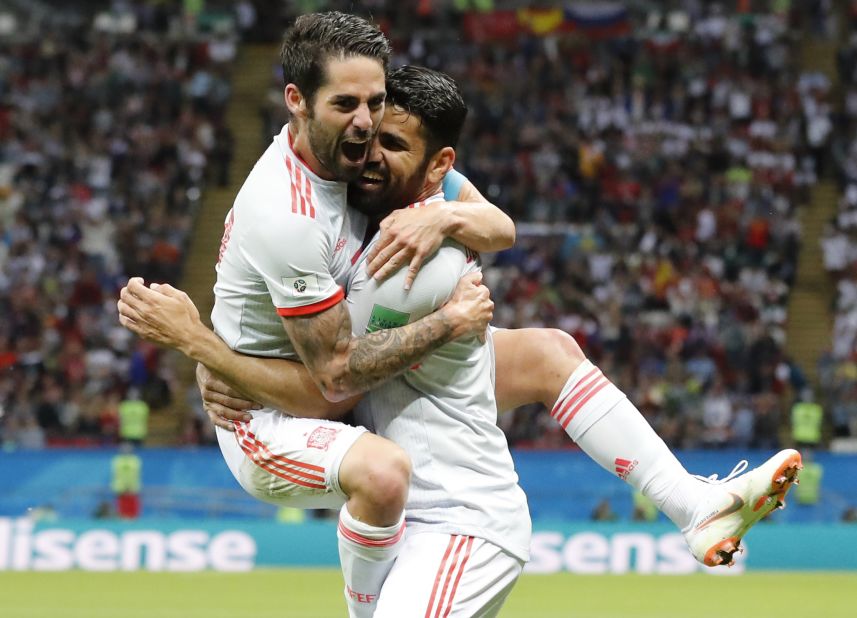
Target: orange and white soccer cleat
736 503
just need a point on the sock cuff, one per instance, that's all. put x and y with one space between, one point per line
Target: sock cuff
366 534
582 369
586 397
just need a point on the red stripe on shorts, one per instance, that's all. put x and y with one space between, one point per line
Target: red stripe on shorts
282 458
437 577
460 542
269 463
458 577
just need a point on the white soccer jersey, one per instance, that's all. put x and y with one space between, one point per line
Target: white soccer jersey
287 249
443 412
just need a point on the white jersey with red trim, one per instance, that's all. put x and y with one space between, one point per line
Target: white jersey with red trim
287 249
443 412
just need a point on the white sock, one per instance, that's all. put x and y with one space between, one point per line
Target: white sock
607 426
366 554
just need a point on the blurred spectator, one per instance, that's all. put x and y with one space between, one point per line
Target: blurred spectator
133 418
808 492
126 482
604 512
807 417
644 509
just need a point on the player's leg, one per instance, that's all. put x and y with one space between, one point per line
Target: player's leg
448 575
610 429
309 463
375 475
594 413
522 353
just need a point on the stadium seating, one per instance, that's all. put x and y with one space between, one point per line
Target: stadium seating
110 127
655 169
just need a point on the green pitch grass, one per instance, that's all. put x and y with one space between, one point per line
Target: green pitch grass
315 594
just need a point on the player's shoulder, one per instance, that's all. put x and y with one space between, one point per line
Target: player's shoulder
277 191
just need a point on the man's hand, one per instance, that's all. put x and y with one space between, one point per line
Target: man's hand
408 236
160 314
470 309
222 403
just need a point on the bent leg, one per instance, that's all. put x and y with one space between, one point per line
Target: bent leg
308 463
547 366
532 365
375 475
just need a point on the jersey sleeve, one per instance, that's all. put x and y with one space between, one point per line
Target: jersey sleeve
292 255
452 184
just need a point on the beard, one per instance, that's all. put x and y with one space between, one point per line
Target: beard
379 200
326 144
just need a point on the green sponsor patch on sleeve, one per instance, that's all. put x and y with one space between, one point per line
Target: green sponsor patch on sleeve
384 317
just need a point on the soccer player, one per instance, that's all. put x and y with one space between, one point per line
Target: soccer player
545 365
468 521
288 247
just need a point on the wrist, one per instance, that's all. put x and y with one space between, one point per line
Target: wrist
451 221
452 320
199 344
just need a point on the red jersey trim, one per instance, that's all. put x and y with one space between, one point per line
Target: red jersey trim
327 303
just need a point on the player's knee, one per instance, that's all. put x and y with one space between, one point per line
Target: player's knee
376 474
560 356
388 477
563 346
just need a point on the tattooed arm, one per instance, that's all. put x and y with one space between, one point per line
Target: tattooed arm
165 315
343 365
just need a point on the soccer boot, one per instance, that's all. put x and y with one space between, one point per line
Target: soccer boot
734 504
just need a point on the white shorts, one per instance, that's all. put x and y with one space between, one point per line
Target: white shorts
448 576
289 461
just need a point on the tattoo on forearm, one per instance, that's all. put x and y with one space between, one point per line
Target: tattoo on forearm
383 354
373 358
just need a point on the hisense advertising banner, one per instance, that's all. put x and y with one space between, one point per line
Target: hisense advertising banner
181 546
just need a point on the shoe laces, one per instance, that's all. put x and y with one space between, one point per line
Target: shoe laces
738 469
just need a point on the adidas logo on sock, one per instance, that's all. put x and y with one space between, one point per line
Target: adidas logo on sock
624 467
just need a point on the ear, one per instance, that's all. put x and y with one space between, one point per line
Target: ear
295 101
440 164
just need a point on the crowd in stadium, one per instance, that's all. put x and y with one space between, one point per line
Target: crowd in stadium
655 177
107 140
839 243
675 160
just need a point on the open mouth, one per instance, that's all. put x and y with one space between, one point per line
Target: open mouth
370 179
354 151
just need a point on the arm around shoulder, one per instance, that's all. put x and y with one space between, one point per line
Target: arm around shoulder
477 223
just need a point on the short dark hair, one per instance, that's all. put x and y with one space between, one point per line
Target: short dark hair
316 37
434 98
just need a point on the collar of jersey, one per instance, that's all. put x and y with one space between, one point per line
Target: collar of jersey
437 197
287 151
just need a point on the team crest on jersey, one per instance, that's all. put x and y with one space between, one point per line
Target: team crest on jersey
304 285
321 438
